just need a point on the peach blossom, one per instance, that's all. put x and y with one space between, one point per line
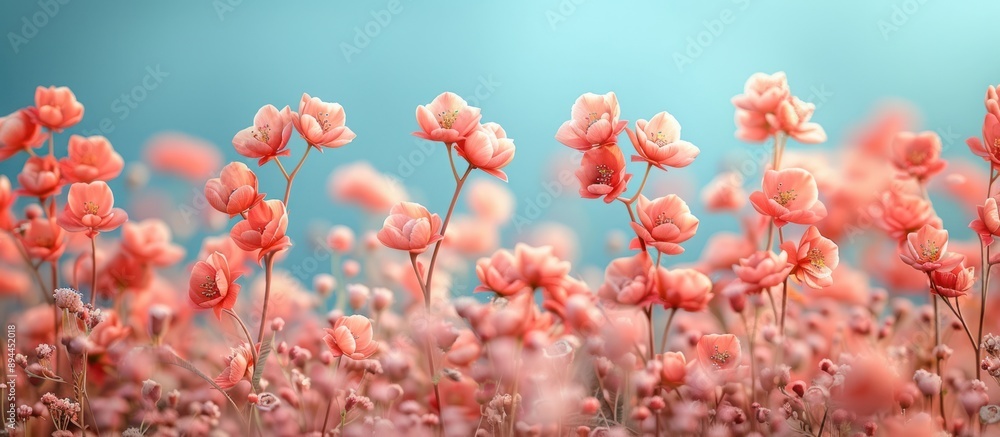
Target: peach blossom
989 147
42 238
264 229
56 108
627 280
236 256
321 124
719 352
723 250
123 272
7 199
239 366
235 191
899 214
340 239
955 282
763 270
686 289
594 122
987 225
213 285
500 274
658 142
360 184
351 336
90 208
191 158
664 223
789 195
918 155
469 236
813 259
992 101
14 282
488 149
792 117
724 193
849 285
267 138
539 266
602 173
448 119
107 333
562 237
91 159
40 177
927 250
763 92
19 132
490 201
410 227
149 240
673 368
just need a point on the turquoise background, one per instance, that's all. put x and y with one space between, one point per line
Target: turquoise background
225 59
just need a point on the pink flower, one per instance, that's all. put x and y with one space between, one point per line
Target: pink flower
351 336
899 213
988 223
989 147
448 118
763 92
235 191
19 132
918 155
813 259
594 123
792 117
321 124
340 239
239 366
992 101
7 199
267 138
56 108
673 368
763 270
955 282
188 157
500 274
40 177
658 142
488 149
42 238
664 223
360 184
724 193
149 241
213 285
719 352
602 173
539 266
789 195
90 208
686 289
91 159
264 229
410 227
627 280
490 202
927 250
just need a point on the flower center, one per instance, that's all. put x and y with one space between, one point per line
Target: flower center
592 118
719 358
263 133
917 157
447 118
90 207
783 197
604 175
929 251
816 258
662 219
87 159
996 144
209 288
659 138
324 121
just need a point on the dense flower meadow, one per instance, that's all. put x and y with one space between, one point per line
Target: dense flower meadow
119 331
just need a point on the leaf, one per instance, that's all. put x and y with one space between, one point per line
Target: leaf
258 367
176 360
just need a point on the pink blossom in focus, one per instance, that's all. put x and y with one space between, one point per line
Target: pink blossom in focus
658 142
789 195
18 132
351 336
594 122
321 124
955 282
488 149
814 258
763 270
927 250
719 352
686 289
664 223
239 366
448 119
267 138
627 280
410 227
602 173
235 191
264 229
90 208
56 108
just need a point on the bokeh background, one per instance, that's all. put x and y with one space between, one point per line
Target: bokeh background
523 62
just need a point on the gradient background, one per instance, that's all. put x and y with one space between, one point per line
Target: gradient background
225 59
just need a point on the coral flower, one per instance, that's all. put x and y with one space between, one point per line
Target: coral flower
813 259
719 352
763 270
488 149
664 223
988 223
235 191
539 266
43 239
918 155
90 208
602 173
360 184
40 177
724 193
7 199
792 117
351 336
594 122
490 202
789 195
193 159
989 147
686 289
448 118
927 250
267 138
955 282
627 280
410 227
264 229
56 108
673 368
91 159
19 132
213 285
899 213
239 366
321 124
658 142
149 240
763 92
500 274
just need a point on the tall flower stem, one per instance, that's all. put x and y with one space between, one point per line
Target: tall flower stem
444 226
666 330
93 270
268 268
425 289
649 324
937 359
290 177
985 285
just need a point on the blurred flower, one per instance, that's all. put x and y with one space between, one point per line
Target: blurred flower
40 177
899 214
539 266
627 280
500 274
763 270
19 132
685 289
359 183
351 336
56 108
43 239
182 155
918 155
724 193
149 240
91 159
490 201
